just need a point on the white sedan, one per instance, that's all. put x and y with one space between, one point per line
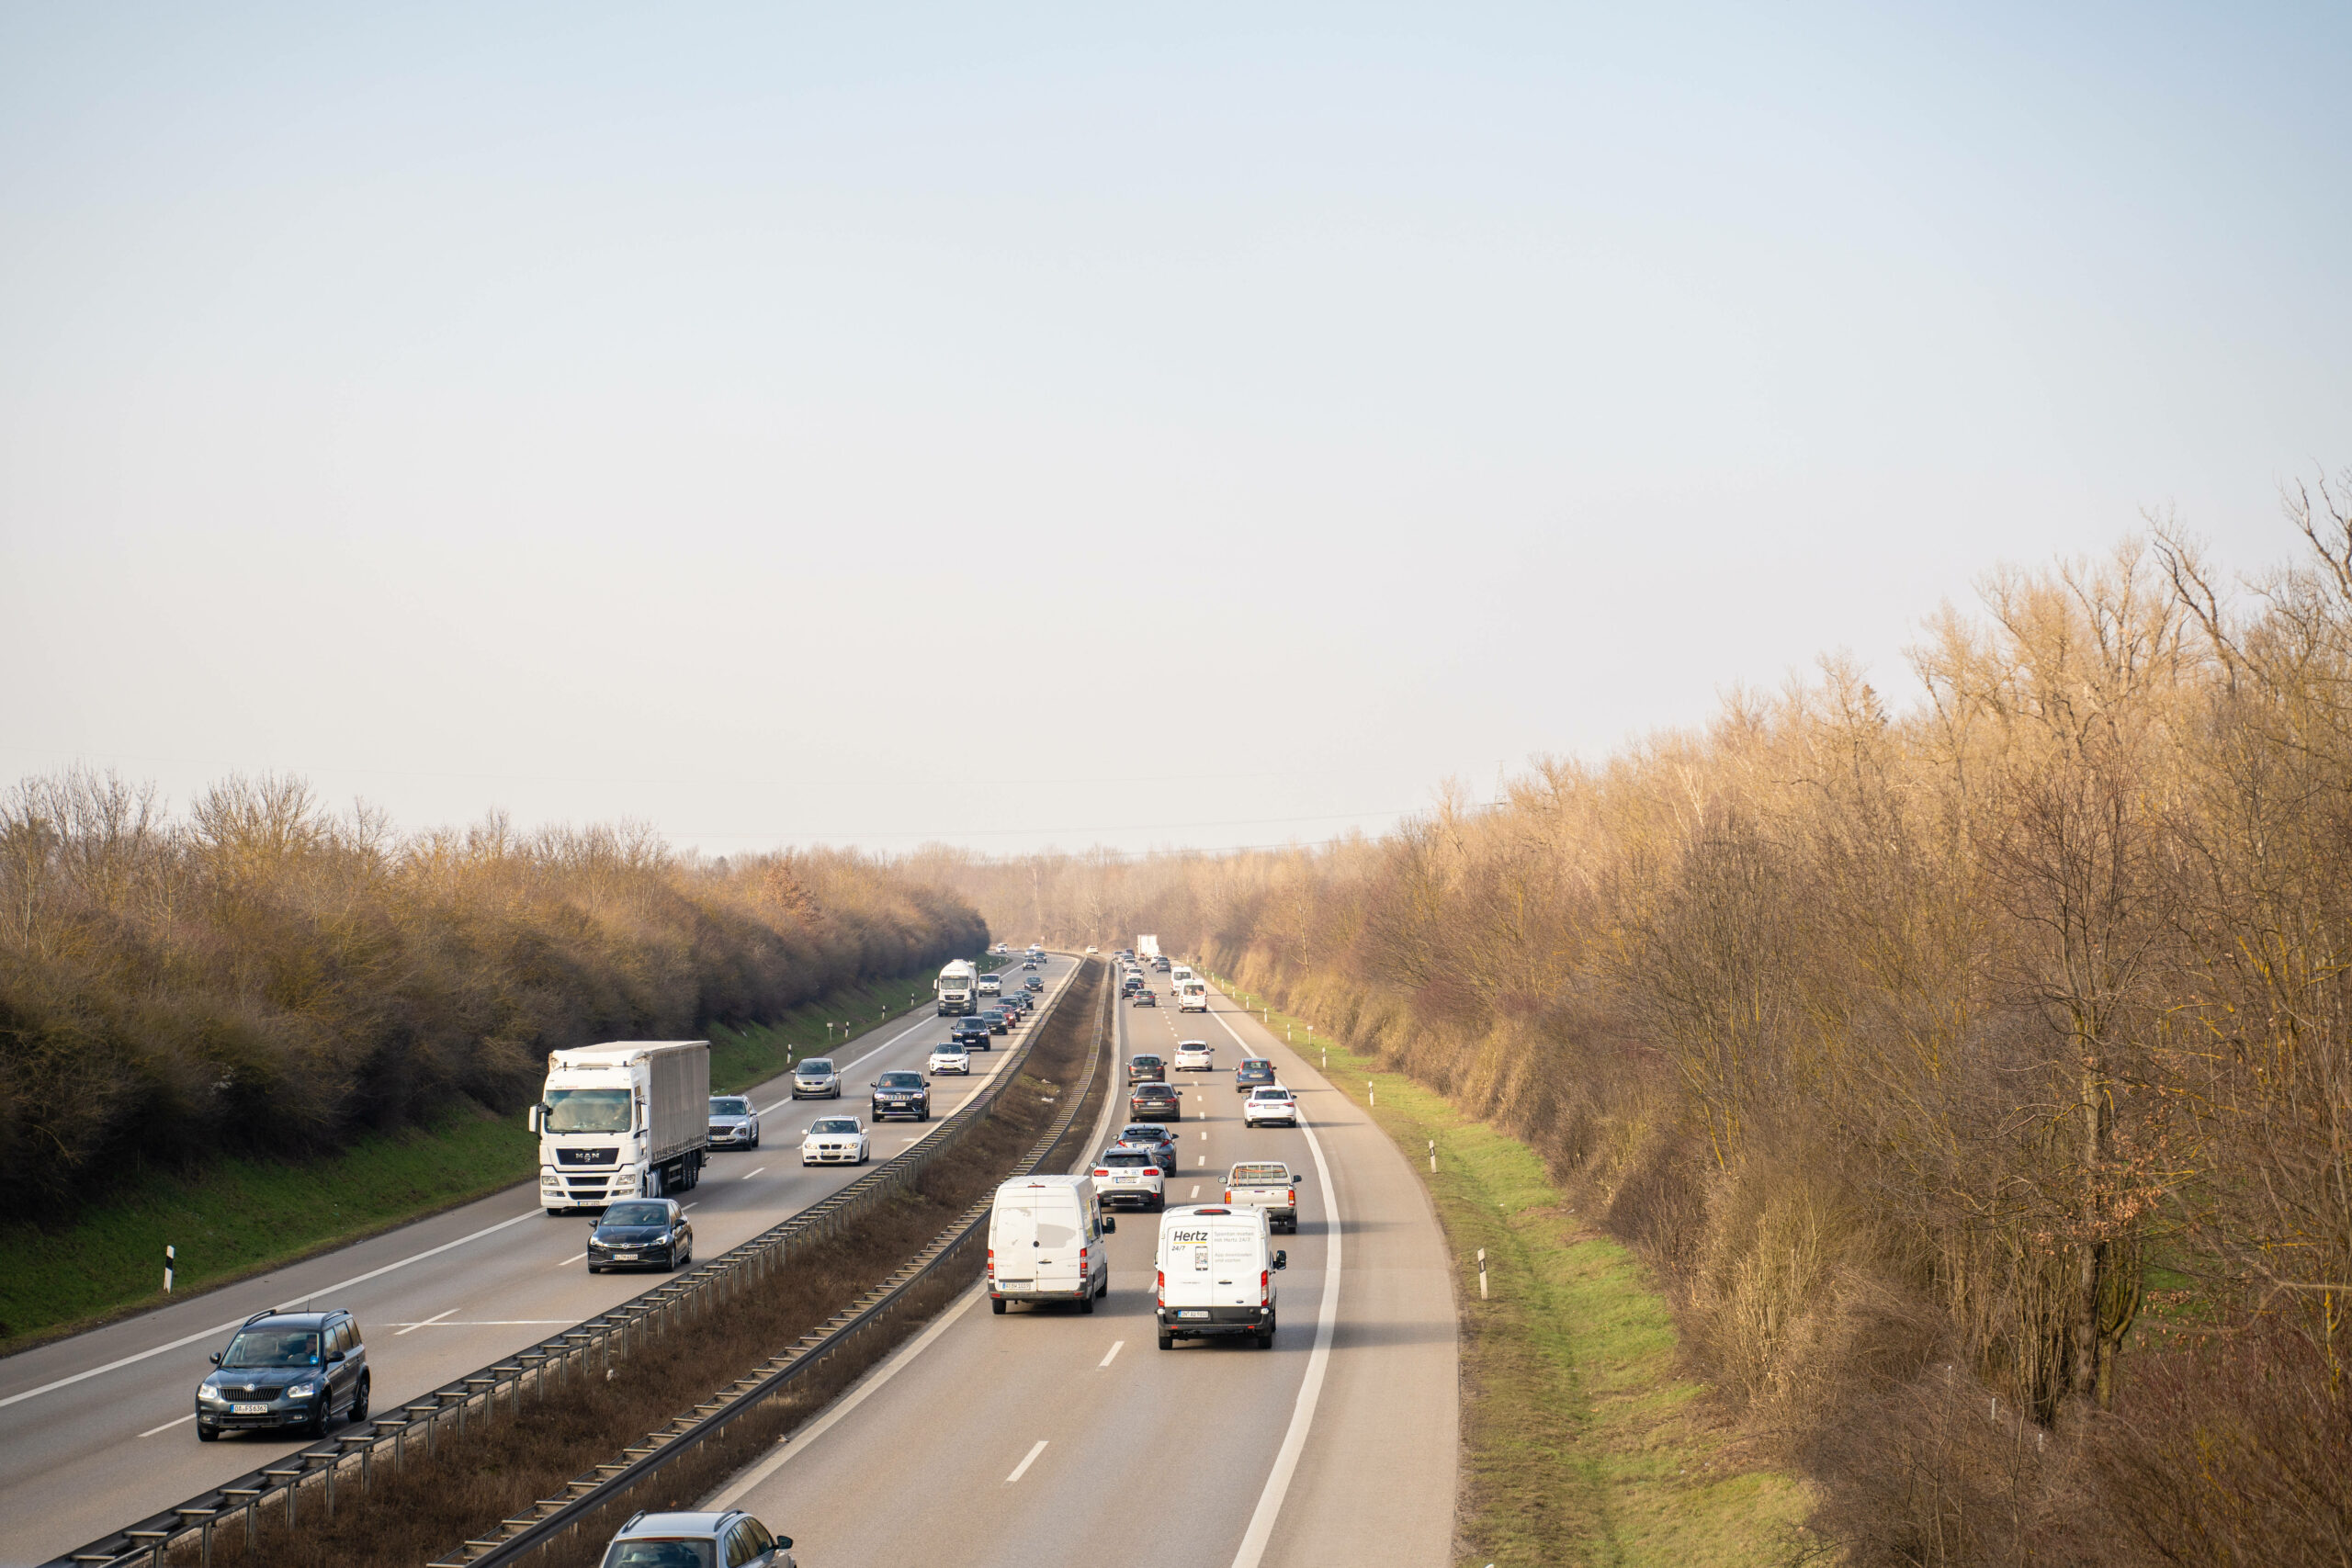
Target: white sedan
1269 1103
1195 1057
951 1058
835 1140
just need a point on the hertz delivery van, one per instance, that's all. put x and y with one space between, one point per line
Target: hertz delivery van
1045 1242
1217 1274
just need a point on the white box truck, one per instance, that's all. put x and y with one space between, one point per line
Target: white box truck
626 1119
957 989
1146 948
1045 1242
1217 1274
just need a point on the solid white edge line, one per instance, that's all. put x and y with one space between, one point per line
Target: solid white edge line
188 1339
238 1321
742 1485
1031 1458
1310 1389
169 1424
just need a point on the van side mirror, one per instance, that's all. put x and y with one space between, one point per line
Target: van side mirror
1110 1224
1282 1260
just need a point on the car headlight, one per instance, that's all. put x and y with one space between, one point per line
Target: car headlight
206 1394
302 1390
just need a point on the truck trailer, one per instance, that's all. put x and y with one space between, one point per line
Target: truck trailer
626 1119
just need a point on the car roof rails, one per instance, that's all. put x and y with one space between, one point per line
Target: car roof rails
632 1519
266 1312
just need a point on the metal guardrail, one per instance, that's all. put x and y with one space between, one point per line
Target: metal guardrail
477 1395
609 1483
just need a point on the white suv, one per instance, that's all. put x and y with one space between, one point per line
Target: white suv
1269 1103
951 1058
1195 1057
1127 1174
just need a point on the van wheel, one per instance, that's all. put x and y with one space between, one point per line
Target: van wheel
996 1305
1086 1303
1168 1341
1265 1341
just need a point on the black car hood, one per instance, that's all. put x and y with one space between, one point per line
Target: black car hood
260 1379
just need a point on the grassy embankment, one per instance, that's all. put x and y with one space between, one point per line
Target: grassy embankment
240 1217
1584 1439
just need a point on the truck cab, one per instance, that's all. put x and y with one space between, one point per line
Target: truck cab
626 1119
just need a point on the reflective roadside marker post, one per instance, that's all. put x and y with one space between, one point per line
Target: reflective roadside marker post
171 1257
1432 1156
1482 1273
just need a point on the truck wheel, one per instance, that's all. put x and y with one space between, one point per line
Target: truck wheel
996 1305
657 1183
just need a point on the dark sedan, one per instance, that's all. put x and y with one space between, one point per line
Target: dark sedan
1252 1072
641 1233
1155 1102
996 1021
1033 984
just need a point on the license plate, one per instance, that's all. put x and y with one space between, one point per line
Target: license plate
624 1257
1190 1314
249 1409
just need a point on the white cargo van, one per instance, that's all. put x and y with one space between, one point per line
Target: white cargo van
1045 1242
1217 1274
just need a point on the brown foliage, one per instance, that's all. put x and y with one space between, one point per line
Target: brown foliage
265 975
1913 1046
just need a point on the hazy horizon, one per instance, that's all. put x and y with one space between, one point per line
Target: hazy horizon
774 427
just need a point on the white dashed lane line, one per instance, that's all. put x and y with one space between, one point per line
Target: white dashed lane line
1023 1468
169 1424
1108 1354
749 1174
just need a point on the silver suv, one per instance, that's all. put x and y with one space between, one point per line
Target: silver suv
816 1079
728 1540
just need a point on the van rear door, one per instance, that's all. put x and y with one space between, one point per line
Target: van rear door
1057 1239
1236 1258
1012 1235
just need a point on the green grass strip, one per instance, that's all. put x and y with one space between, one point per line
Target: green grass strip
1584 1440
235 1218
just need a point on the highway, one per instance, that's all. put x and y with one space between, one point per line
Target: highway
99 1428
1046 1437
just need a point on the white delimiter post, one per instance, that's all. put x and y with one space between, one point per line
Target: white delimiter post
1482 1273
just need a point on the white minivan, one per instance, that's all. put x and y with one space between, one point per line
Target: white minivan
1045 1242
1217 1274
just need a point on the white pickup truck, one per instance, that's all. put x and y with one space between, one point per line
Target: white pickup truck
1265 1184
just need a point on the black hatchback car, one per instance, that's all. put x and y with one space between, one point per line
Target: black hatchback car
996 1021
1251 1072
641 1233
1155 1102
902 1094
286 1369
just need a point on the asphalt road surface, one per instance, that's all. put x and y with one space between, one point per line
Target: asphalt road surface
99 1428
1045 1438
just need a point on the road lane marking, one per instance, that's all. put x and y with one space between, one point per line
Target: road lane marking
1204 1135
749 1174
1318 1362
1200 1159
169 1424
1023 1468
571 1260
858 1394
451 1312
335 1290
1108 1354
1196 1190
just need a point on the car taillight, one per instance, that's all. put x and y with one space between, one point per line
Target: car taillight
1151 1170
1101 1173
1228 1194
1159 1286
1265 1286
1291 1197
991 1262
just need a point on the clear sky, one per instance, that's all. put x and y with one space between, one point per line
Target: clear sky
1207 424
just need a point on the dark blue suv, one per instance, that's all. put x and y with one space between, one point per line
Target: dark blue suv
902 1094
286 1369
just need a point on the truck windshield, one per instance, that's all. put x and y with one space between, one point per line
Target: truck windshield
588 1111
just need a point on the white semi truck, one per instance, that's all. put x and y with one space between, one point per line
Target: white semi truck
958 990
1146 948
628 1120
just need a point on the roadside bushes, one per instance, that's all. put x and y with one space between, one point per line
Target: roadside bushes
1978 1075
264 977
